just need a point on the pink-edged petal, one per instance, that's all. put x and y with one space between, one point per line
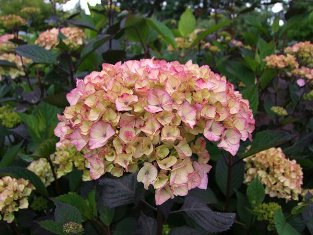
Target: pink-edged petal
123 102
194 180
61 130
187 114
162 195
73 96
127 134
230 141
179 189
151 126
78 140
202 170
153 109
158 100
213 130
96 166
100 133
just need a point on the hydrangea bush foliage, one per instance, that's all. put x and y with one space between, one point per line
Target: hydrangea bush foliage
177 117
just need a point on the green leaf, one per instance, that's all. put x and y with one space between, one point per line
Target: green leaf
209 31
107 215
255 192
282 227
91 197
244 209
65 213
265 48
252 94
93 45
236 172
266 77
251 63
137 29
78 202
187 23
237 71
125 226
10 155
82 23
41 122
37 54
46 148
52 226
267 139
20 172
275 25
163 30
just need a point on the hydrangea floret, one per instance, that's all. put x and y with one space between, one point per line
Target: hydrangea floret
13 71
296 62
74 37
12 21
281 177
151 117
265 212
5 44
13 196
63 161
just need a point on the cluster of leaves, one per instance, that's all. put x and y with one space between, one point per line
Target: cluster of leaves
133 30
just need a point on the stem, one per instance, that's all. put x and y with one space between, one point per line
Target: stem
229 179
160 221
71 71
298 102
40 84
110 17
146 50
148 205
100 227
26 74
57 185
14 228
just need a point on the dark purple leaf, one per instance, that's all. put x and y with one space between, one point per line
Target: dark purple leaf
185 230
146 225
211 221
32 97
117 191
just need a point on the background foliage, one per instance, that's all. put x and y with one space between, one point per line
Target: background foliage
233 38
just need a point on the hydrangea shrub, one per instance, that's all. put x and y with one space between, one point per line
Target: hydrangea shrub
150 116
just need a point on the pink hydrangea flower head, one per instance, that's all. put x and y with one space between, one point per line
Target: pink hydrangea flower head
282 178
154 117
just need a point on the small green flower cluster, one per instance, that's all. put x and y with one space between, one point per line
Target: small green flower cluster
63 160
73 228
66 158
279 111
8 117
265 212
308 96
